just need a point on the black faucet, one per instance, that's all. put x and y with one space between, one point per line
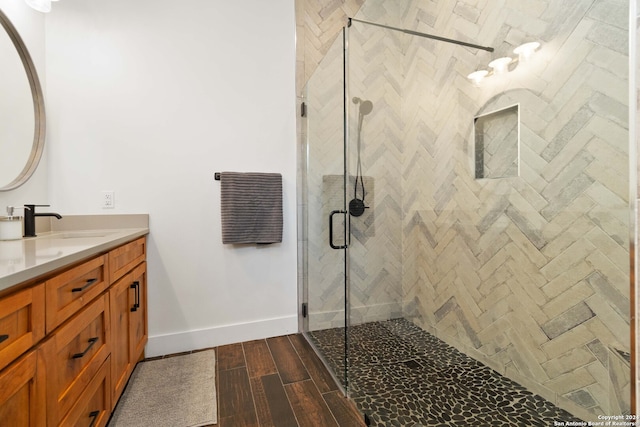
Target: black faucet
30 219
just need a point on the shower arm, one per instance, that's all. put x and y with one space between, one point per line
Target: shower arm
428 36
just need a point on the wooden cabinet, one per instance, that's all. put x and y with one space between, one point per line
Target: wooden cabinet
73 356
70 341
124 258
93 407
22 392
21 322
138 324
128 299
68 292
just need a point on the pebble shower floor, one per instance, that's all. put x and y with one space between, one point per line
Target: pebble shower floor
400 375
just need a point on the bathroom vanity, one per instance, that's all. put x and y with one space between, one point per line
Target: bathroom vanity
73 320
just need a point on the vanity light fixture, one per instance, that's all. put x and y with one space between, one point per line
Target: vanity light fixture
501 65
526 51
477 76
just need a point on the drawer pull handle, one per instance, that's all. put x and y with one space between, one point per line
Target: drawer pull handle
3 338
86 285
94 416
136 303
92 341
137 294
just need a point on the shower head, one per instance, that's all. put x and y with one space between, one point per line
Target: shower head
365 106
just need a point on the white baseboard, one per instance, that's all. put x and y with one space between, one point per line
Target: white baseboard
160 345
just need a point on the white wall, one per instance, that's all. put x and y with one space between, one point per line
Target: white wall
149 99
30 25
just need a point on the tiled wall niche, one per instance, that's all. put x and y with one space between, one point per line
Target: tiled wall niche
497 143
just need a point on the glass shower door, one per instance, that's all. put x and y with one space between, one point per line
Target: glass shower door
325 217
375 346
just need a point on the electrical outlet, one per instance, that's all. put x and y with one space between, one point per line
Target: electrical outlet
108 200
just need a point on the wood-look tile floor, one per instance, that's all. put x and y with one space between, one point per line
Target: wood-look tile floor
278 381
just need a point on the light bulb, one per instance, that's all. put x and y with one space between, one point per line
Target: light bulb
500 65
526 51
40 5
477 76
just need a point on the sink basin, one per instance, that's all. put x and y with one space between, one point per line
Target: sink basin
80 234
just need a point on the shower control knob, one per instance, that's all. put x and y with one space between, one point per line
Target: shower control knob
357 207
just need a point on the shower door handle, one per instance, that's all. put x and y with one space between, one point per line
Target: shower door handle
331 229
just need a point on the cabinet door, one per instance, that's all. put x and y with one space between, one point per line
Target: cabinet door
128 301
21 322
122 302
22 392
138 326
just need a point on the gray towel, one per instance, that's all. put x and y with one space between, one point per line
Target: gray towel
251 207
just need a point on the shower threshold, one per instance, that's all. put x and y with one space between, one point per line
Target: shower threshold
400 375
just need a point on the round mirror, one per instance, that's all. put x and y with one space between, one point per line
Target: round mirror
22 119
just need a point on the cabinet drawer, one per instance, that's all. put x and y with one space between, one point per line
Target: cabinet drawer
68 292
93 407
22 393
21 322
74 354
124 258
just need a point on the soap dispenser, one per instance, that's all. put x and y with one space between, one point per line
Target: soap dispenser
10 225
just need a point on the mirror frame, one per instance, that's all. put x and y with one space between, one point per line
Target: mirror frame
38 106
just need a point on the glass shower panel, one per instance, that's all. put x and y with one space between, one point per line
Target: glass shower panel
491 285
374 190
376 152
325 205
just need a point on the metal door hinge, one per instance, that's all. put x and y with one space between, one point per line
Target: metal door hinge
304 309
303 109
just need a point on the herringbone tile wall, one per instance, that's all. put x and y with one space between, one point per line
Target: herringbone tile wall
528 274
318 24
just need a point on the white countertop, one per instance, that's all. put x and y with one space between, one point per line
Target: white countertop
28 258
